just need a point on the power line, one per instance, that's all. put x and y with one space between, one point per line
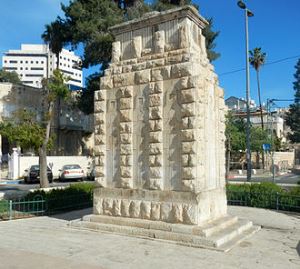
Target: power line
270 63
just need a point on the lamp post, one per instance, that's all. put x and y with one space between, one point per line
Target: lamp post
248 13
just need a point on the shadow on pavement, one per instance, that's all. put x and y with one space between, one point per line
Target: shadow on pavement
73 215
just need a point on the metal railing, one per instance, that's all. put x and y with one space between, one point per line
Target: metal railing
273 200
39 206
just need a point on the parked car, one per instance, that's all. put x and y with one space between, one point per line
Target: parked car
71 171
33 174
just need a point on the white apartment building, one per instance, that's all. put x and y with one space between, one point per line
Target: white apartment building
35 62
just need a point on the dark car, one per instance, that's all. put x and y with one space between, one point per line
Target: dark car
33 174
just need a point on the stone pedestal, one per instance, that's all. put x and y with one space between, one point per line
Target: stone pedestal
159 134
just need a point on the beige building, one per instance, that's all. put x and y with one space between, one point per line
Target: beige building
75 127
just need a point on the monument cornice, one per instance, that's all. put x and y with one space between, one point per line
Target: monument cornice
153 18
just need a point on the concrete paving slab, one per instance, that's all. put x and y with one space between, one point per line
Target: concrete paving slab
47 242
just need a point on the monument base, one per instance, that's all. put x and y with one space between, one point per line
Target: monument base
221 234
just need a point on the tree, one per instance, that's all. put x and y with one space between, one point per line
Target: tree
11 77
293 116
257 60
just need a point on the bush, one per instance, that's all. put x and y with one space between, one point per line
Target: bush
264 195
77 196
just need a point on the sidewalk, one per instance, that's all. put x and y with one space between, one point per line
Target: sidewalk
47 242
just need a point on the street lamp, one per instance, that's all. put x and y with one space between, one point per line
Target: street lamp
248 13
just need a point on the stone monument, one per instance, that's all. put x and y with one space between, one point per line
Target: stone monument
159 136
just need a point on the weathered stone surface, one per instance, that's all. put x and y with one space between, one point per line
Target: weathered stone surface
188 123
155 211
125 149
99 96
134 209
155 172
98 208
162 73
188 147
189 214
99 106
145 210
188 96
123 80
188 110
99 150
159 42
188 173
155 100
108 206
155 184
176 214
125 103
125 128
126 138
125 208
142 77
155 125
99 171
156 87
99 139
126 172
187 135
155 137
116 51
116 207
155 113
181 70
155 149
137 47
125 115
155 160
126 160
165 211
106 83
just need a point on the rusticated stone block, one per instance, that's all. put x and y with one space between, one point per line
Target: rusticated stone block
155 137
162 73
125 103
99 160
183 37
125 208
155 63
106 83
188 110
116 51
126 138
126 183
176 213
139 66
155 184
99 139
156 87
101 181
125 115
145 210
99 129
188 185
97 207
99 106
154 100
126 160
187 135
126 172
155 113
174 59
188 147
126 92
125 128
99 150
117 70
165 211
188 123
125 149
188 96
155 172
116 207
123 80
155 125
134 209
108 206
99 171
189 214
155 211
188 160
142 77
99 96
126 69
155 160
181 70
155 148
194 82
188 173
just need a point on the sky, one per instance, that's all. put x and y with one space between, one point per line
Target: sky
275 28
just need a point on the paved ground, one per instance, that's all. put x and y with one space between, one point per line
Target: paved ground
46 242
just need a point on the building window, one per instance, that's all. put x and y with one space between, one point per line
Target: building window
13 62
26 62
5 61
32 62
26 68
21 62
42 62
37 62
21 68
37 68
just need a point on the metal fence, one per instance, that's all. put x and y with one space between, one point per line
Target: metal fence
39 206
273 200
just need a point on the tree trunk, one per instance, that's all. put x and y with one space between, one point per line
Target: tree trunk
44 183
58 115
261 114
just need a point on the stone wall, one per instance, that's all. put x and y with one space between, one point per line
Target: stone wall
159 123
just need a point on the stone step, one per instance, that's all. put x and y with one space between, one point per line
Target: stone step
222 240
227 234
215 226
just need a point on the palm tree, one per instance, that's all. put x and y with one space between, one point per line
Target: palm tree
55 35
257 59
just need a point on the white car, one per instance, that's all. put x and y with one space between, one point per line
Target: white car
71 171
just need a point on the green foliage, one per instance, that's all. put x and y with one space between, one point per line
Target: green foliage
210 38
11 77
257 58
24 131
264 195
76 196
293 116
136 10
85 101
259 137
